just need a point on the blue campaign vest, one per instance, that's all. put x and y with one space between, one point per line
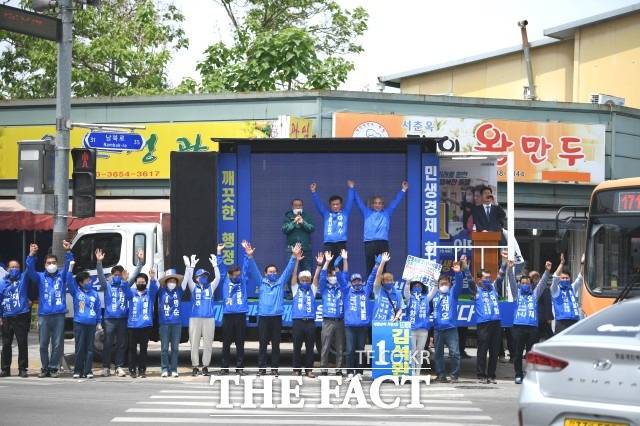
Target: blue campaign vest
356 310
446 310
202 301
487 307
86 306
52 294
418 312
141 309
234 298
332 302
383 311
303 304
565 305
14 297
335 226
115 300
526 309
169 305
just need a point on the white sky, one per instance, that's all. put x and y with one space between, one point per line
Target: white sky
408 34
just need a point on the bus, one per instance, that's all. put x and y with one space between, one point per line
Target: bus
612 258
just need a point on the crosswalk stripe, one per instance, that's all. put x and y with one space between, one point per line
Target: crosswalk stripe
423 419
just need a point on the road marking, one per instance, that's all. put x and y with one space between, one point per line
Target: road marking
221 412
263 420
208 404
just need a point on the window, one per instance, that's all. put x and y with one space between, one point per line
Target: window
139 243
84 251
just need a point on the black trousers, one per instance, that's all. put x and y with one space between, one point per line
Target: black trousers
15 326
489 334
506 333
544 330
562 325
269 330
524 337
138 336
303 331
462 339
234 329
371 250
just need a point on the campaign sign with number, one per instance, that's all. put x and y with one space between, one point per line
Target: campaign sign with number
114 141
391 352
423 270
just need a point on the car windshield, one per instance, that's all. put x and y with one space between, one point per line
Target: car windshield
84 248
613 254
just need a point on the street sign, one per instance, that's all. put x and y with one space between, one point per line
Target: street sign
113 141
34 24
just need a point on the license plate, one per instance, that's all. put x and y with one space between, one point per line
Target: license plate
585 422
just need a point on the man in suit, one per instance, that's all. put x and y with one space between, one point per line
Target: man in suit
488 216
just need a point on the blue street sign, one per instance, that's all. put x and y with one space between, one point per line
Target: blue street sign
114 141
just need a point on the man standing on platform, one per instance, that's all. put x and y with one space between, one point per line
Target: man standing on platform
335 219
298 226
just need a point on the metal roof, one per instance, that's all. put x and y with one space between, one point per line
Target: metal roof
566 31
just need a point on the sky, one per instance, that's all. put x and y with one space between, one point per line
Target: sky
407 34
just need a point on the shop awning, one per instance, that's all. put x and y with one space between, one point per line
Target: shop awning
13 216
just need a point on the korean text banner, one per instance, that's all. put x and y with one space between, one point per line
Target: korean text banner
544 152
151 160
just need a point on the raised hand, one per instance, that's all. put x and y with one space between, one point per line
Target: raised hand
248 249
297 251
548 265
313 187
33 249
214 260
152 274
328 256
319 258
219 248
463 261
344 254
99 255
405 185
351 184
194 260
582 259
456 267
187 263
386 257
562 258
66 245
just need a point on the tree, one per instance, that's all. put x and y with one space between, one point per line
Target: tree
121 48
284 44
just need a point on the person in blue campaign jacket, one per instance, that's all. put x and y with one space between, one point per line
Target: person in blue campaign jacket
116 311
140 320
15 316
335 219
418 313
332 285
270 305
303 315
172 286
487 310
87 314
234 312
525 321
445 308
52 307
564 295
202 324
377 221
357 319
388 305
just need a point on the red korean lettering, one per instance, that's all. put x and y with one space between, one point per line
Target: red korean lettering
536 147
491 139
571 149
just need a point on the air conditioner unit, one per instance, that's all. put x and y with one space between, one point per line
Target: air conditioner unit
602 99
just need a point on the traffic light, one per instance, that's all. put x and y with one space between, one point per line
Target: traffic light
84 182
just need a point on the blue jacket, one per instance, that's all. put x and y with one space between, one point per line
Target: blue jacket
333 296
382 310
565 300
271 294
418 311
169 305
445 306
376 224
303 305
141 306
115 299
202 295
13 296
526 312
234 296
86 304
487 307
336 225
51 288
356 309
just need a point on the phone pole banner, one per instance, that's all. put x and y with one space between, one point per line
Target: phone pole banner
430 206
391 348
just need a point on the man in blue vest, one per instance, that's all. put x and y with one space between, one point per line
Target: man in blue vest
52 307
377 222
116 311
388 305
303 315
234 313
87 314
15 315
445 307
335 219
270 306
564 294
418 313
488 318
525 321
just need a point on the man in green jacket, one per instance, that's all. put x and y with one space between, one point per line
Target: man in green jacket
298 226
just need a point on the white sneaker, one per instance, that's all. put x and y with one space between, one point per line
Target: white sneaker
120 372
358 376
349 377
76 376
89 375
174 374
164 374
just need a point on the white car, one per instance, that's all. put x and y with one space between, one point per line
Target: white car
588 375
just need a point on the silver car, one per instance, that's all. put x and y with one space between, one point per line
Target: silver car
588 375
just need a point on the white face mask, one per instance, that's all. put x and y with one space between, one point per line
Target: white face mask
171 286
297 211
444 289
332 280
52 268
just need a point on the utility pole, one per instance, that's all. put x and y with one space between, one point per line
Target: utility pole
63 117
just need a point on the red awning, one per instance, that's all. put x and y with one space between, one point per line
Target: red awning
13 216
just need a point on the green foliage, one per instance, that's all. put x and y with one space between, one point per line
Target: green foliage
121 48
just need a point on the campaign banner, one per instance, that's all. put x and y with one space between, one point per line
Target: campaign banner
544 152
430 206
423 270
227 208
391 348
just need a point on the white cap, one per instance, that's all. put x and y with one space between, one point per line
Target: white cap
304 274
